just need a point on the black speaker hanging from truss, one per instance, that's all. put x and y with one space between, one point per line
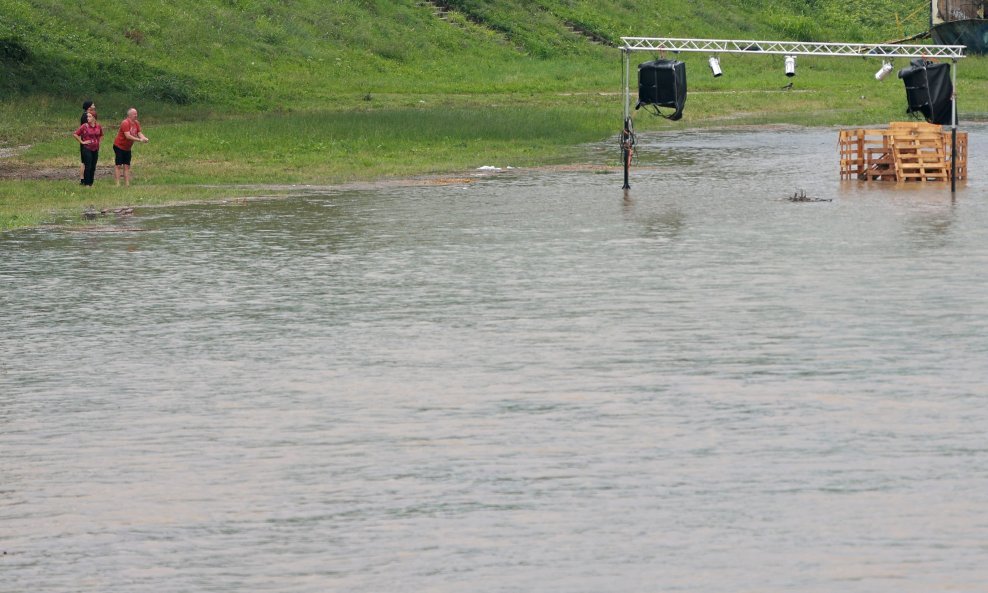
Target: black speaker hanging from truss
929 90
662 83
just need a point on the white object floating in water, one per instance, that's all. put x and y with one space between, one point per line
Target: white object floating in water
488 168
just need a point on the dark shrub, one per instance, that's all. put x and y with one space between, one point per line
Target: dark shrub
13 51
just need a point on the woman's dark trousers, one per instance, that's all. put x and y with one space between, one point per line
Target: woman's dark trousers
89 160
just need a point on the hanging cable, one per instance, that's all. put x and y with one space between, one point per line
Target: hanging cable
627 141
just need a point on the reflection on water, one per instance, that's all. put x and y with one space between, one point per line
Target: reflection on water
534 382
930 227
666 224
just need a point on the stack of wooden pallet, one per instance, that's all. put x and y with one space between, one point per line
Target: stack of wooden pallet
905 151
918 152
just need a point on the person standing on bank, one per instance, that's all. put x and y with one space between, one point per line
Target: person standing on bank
130 132
89 135
87 108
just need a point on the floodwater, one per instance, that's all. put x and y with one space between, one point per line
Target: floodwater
528 383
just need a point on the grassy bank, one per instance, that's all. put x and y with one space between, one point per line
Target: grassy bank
32 203
304 147
241 92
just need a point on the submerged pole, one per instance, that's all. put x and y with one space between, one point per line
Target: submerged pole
627 149
626 124
953 131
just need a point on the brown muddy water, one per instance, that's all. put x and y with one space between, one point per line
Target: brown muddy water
528 383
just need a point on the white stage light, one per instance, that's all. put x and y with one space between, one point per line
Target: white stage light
715 66
790 66
883 71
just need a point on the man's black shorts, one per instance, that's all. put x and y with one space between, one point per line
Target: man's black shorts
121 156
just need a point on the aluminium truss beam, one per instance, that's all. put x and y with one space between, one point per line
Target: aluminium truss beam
792 48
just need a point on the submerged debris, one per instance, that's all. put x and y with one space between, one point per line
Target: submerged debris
90 213
800 196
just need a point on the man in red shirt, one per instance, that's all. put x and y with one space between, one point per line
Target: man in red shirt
130 132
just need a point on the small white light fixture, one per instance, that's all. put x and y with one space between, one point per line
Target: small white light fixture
790 66
715 66
883 71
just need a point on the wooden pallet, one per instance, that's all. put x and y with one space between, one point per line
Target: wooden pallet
960 159
866 155
851 153
919 154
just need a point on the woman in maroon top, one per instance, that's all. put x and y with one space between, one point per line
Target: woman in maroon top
87 108
89 135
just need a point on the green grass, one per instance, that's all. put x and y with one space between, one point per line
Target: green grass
35 203
331 147
252 54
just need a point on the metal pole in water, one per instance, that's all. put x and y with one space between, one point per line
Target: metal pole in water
626 148
953 131
625 129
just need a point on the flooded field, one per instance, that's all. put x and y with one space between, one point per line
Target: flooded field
532 382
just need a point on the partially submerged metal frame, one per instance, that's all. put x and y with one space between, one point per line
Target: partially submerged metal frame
787 48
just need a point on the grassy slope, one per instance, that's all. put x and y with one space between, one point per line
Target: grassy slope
251 54
241 91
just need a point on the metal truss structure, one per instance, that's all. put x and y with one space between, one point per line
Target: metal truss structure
792 48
